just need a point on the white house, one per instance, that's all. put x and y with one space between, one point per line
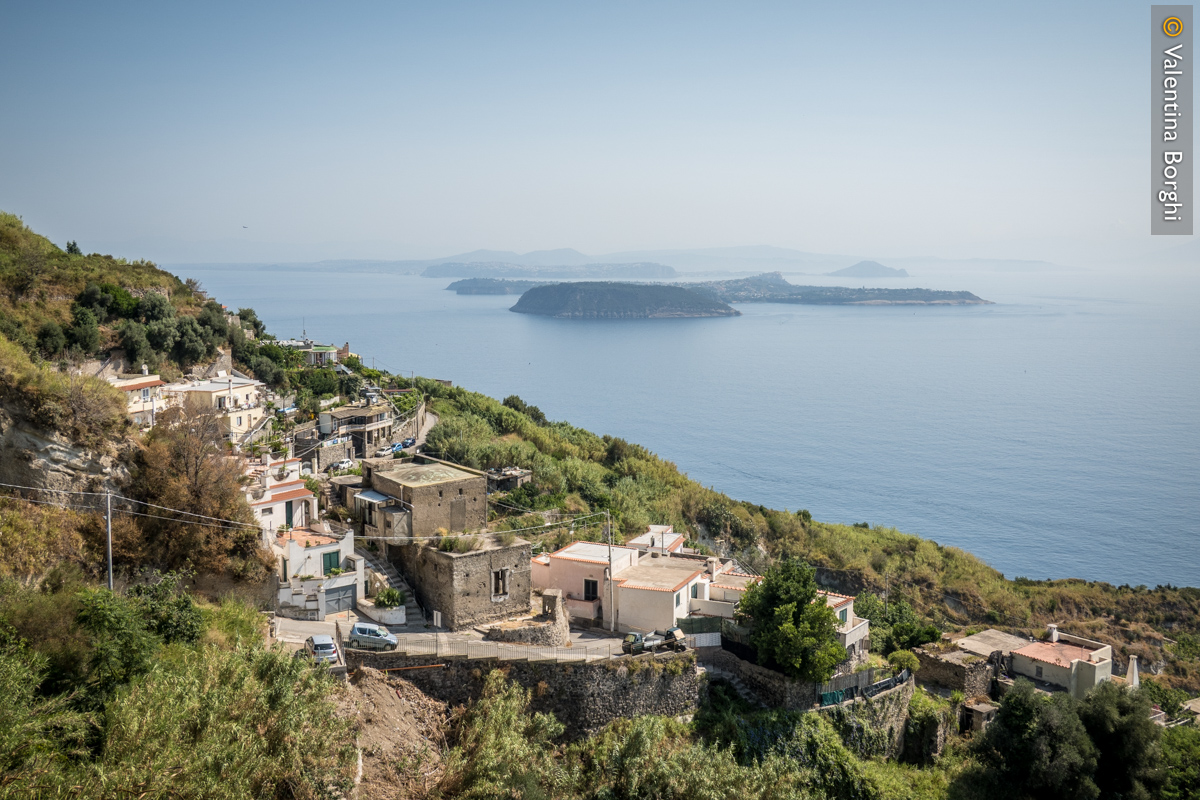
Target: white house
661 538
852 631
318 572
651 590
143 396
278 495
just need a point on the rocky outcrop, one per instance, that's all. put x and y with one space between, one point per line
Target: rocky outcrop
33 456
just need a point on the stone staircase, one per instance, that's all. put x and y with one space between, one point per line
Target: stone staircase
717 673
415 618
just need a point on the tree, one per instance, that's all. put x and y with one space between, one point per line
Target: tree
904 659
793 628
1181 759
212 316
266 370
1118 723
155 306
73 249
1037 747
183 466
190 344
249 317
133 341
51 339
162 335
85 331
894 626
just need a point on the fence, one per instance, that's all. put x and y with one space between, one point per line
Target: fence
442 646
860 684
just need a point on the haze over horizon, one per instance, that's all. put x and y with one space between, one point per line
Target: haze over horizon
282 133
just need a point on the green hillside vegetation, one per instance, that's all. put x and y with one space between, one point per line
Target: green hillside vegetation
596 300
147 694
577 471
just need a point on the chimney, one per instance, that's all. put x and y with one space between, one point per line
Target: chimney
1053 629
1131 677
145 370
714 566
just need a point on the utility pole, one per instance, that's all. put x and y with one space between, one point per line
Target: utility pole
108 530
886 592
612 606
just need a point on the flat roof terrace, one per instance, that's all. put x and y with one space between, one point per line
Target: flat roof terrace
416 475
658 575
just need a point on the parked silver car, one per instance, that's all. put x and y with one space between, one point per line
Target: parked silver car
368 636
321 648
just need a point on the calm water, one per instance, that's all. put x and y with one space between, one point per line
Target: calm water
1053 434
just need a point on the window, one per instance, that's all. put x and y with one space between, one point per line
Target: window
842 616
590 590
678 599
499 582
268 511
239 422
695 591
145 395
1037 671
329 561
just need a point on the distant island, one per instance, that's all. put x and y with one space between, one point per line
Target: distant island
642 270
595 300
771 287
492 286
869 269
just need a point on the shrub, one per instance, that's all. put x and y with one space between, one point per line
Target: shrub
904 660
390 597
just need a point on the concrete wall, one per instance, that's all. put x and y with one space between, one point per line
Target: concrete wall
1051 673
584 697
459 585
649 610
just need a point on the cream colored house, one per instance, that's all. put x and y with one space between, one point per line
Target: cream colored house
240 401
1069 662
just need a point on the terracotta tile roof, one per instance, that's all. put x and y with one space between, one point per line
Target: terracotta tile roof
294 494
146 384
1060 653
835 600
304 536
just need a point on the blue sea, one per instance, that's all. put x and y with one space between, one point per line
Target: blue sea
1054 434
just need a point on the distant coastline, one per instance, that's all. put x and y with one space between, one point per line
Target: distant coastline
771 287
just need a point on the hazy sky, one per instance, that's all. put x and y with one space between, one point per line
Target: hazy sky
400 130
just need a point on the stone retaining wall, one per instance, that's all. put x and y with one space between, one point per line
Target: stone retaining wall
886 711
970 674
584 696
552 628
773 689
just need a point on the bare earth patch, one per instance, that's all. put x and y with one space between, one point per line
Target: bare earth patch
401 733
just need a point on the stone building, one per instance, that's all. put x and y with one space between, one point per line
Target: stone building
416 500
482 584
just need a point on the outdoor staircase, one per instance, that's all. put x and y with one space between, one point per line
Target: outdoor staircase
715 672
415 618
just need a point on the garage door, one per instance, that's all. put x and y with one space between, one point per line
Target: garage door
340 599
